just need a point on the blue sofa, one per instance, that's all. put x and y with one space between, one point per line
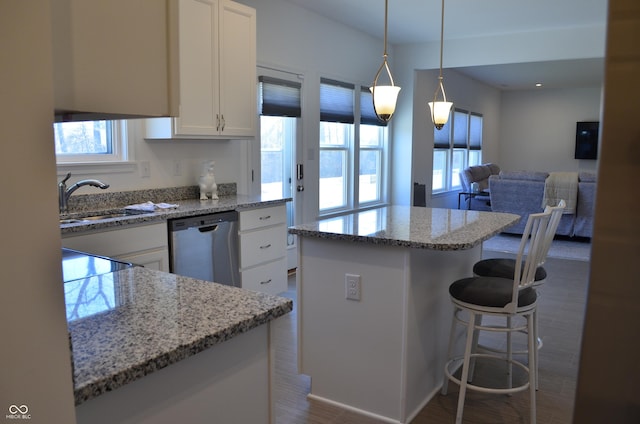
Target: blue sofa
521 192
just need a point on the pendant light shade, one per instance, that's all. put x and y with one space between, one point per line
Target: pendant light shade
384 96
440 109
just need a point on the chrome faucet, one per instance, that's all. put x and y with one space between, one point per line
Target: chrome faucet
64 193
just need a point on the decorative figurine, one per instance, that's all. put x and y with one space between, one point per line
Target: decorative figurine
208 186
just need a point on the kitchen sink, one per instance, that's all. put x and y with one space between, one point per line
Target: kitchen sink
100 216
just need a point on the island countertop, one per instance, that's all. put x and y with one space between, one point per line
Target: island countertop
124 325
415 227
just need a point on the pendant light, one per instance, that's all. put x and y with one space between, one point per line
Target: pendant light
440 109
384 96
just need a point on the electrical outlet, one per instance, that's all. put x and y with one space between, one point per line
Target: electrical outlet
177 168
145 169
352 286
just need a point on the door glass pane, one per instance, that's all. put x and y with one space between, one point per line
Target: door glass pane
277 139
272 145
332 179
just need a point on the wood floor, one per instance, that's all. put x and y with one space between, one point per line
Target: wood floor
561 311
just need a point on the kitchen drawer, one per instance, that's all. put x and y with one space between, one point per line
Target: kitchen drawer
261 246
268 278
262 217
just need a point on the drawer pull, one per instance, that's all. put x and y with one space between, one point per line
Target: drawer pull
265 246
262 218
266 282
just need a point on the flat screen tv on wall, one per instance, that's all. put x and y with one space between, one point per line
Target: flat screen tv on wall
587 140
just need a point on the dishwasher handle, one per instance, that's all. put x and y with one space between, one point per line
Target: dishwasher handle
208 228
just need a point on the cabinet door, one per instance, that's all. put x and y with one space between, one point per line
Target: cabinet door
154 259
198 47
269 278
262 245
143 245
113 57
237 69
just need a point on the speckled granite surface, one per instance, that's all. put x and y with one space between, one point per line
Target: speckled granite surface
127 324
106 199
186 207
416 227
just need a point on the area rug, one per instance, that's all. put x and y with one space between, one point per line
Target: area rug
577 250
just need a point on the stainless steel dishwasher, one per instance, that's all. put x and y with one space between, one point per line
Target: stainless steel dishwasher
206 247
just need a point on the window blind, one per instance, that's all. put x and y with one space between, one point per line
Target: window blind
336 101
279 97
460 128
475 132
442 137
367 113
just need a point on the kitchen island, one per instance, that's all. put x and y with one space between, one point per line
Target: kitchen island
153 347
383 354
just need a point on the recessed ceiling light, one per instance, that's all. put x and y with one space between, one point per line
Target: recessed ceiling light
538 84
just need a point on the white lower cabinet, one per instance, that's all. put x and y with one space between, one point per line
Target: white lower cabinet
263 241
145 245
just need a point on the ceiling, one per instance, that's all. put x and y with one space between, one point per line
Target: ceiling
418 21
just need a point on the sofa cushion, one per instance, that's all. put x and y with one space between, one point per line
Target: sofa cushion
524 175
587 177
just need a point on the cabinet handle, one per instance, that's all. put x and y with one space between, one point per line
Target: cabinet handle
217 122
266 246
266 282
223 122
262 218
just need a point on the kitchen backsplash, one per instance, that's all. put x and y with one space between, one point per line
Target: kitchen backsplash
118 199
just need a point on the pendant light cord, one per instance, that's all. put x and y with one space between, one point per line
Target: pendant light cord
441 37
386 7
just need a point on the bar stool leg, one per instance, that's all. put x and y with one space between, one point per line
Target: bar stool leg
465 367
509 355
533 348
452 333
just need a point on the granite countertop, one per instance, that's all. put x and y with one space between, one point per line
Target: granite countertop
127 324
415 227
186 207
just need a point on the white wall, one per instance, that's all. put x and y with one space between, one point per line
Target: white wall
34 345
538 128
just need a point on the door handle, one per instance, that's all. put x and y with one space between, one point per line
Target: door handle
299 171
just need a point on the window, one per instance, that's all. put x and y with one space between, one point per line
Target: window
90 141
347 146
457 145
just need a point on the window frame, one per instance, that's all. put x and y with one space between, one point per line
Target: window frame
119 148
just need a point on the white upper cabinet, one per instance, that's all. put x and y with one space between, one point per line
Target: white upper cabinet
217 66
114 58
